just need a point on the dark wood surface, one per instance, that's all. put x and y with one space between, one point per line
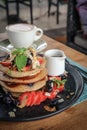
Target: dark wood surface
74 118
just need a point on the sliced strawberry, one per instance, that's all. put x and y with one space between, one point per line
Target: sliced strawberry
23 99
52 95
5 63
58 78
35 99
26 68
33 94
26 94
41 97
30 99
41 60
61 88
54 77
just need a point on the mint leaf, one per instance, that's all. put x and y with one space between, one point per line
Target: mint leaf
20 61
19 51
59 82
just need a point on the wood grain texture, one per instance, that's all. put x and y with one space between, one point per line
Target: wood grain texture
74 118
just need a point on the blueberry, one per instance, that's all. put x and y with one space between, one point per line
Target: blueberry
55 103
1 95
13 62
49 83
49 86
30 84
29 61
31 53
16 102
49 89
8 56
7 99
63 77
41 54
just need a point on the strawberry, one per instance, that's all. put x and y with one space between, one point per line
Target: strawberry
41 60
26 68
5 63
54 77
30 98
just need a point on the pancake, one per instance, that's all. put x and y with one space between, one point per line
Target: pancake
19 74
21 88
23 71
26 80
14 94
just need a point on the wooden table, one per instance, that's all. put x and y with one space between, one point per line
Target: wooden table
74 118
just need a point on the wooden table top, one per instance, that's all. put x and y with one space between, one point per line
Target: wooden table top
74 118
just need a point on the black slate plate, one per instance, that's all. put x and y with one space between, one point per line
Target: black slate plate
74 83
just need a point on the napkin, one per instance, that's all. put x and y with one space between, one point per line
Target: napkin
83 72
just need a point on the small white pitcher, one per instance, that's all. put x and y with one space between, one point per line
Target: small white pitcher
55 62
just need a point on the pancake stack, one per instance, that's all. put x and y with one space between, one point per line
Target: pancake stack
29 78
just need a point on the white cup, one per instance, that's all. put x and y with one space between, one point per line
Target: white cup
23 35
55 62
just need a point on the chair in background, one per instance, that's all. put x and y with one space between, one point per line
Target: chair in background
28 3
15 18
74 30
5 6
56 4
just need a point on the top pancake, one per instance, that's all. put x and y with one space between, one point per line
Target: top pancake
20 74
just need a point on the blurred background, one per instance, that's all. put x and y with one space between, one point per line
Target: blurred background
40 16
59 19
